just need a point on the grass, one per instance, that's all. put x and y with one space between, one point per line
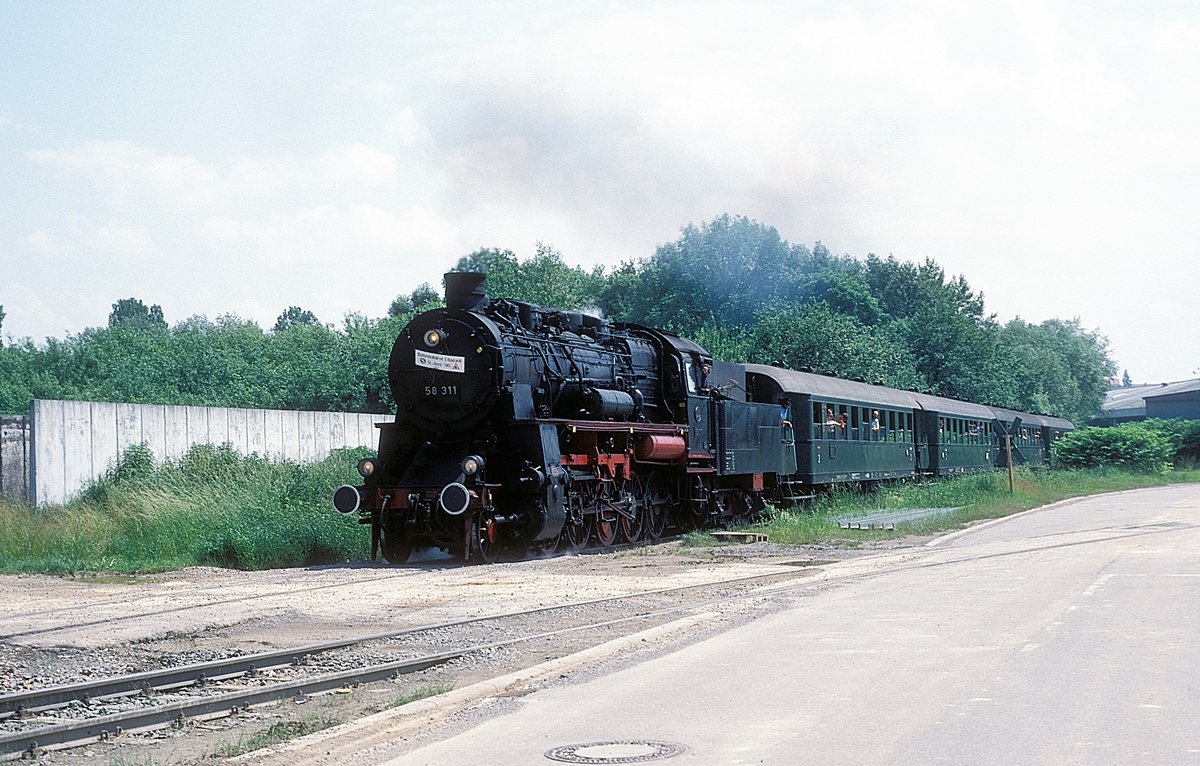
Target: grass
281 731
287 729
216 508
211 508
422 693
978 496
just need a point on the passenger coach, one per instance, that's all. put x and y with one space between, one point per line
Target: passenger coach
848 431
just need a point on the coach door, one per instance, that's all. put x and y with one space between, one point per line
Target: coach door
925 434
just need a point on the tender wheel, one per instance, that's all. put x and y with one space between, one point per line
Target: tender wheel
485 540
395 545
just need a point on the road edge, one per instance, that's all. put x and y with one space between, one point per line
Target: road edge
1049 506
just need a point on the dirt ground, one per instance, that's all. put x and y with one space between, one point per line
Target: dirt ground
61 630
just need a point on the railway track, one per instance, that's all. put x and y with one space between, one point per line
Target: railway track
70 715
81 713
281 586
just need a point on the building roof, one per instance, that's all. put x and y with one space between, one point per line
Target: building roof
1130 402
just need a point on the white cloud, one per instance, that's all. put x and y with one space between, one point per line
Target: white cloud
41 243
121 240
339 237
359 164
125 171
406 129
26 307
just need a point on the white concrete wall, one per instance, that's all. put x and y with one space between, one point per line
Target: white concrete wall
14 458
73 443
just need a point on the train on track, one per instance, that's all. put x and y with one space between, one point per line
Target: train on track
524 429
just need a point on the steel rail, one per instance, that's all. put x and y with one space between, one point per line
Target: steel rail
75 733
17 704
31 743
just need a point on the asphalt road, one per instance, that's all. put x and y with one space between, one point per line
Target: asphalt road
1066 635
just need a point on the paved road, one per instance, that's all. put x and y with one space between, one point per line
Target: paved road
1062 636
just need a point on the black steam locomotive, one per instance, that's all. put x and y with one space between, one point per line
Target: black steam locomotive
522 429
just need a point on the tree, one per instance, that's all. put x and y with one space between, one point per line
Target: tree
424 298
942 322
544 280
400 306
501 267
722 271
1 319
292 317
1126 381
827 342
131 312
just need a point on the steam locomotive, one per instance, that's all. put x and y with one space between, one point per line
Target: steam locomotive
523 429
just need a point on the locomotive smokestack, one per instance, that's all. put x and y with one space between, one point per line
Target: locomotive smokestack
466 290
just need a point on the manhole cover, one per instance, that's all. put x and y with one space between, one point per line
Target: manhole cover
617 751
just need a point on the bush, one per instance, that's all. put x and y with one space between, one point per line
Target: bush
1184 436
135 464
1134 446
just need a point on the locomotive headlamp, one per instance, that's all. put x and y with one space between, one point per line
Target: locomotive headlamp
433 337
367 466
472 465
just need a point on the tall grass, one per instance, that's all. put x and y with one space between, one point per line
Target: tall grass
216 508
213 507
978 496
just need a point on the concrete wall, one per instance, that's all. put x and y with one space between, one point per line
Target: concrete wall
76 442
14 458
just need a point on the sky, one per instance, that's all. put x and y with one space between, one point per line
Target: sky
232 157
